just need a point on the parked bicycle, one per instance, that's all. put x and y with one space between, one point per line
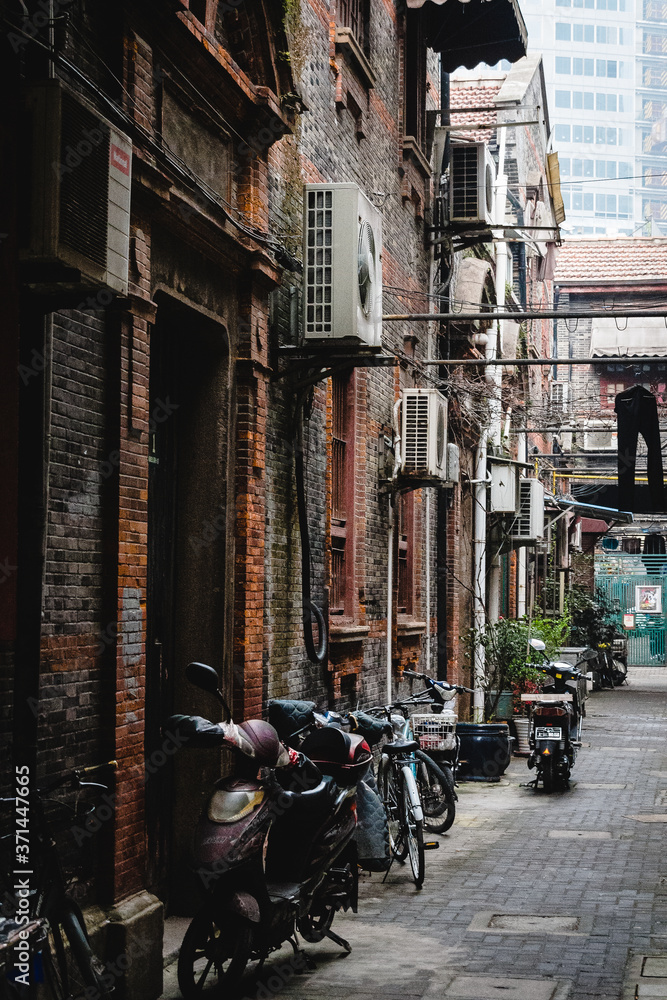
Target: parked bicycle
436 732
70 967
403 770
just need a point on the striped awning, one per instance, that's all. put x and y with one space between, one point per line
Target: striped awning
468 32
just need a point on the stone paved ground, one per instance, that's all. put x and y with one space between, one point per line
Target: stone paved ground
596 854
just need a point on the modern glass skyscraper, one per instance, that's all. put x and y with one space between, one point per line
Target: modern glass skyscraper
605 64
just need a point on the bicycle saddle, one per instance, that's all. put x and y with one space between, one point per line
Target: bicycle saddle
400 747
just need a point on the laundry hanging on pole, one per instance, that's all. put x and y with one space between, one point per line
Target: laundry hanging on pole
637 413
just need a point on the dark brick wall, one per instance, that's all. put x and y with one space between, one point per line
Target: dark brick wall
327 146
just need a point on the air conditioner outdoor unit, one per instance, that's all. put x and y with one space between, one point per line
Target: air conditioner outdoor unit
342 253
79 177
529 523
472 182
424 434
503 489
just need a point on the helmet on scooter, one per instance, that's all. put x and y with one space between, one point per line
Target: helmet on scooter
268 750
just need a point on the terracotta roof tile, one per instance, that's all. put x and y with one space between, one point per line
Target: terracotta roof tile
475 94
609 258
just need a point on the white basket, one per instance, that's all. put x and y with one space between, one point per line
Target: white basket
435 732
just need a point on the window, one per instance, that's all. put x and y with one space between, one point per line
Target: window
577 133
605 35
611 102
415 78
342 494
563 3
624 206
600 135
624 169
567 199
563 64
600 204
583 33
611 137
405 549
565 166
588 202
588 67
577 67
578 168
654 43
562 98
353 14
563 32
655 10
562 133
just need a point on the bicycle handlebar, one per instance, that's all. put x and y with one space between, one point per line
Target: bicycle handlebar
434 683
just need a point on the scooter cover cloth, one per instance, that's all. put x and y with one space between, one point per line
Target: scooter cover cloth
289 716
372 835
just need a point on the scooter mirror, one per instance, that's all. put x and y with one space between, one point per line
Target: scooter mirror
537 644
589 654
203 677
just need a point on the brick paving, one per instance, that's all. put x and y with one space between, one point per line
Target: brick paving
499 857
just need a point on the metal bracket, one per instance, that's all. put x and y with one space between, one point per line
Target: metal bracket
315 363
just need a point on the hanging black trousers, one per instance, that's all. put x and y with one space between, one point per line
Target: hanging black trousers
637 412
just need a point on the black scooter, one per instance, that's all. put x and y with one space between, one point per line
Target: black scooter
274 848
556 719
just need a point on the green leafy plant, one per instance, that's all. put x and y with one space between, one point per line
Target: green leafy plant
592 617
508 658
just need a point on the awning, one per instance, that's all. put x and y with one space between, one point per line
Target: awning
476 31
592 510
634 337
593 526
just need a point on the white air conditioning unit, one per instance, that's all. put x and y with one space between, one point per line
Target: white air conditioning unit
503 489
424 434
471 183
78 180
576 538
342 254
529 522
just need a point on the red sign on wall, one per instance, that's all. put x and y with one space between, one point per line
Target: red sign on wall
120 159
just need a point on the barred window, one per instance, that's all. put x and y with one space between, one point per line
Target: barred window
353 14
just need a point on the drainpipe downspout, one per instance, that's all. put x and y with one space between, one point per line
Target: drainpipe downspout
390 598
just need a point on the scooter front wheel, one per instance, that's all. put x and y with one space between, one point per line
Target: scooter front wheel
214 953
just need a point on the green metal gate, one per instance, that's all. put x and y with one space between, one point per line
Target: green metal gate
645 597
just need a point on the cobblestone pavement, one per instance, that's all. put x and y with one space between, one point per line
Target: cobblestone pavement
595 854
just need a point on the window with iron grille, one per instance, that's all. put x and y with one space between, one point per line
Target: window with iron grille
342 494
405 549
353 14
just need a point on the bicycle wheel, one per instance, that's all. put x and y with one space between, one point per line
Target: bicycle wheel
389 793
214 953
436 789
414 836
72 969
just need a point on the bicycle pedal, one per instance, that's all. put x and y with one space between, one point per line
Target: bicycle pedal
431 845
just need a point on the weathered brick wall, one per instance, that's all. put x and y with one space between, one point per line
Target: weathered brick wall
328 145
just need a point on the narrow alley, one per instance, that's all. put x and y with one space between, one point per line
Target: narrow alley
529 897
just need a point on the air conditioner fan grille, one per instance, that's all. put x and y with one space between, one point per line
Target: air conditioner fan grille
415 445
464 182
319 272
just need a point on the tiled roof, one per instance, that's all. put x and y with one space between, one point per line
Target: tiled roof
475 94
609 258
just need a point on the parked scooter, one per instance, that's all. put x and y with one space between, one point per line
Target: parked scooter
556 719
274 849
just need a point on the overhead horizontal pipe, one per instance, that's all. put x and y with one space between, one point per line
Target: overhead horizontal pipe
455 363
471 317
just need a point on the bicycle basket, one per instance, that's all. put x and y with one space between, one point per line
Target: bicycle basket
435 732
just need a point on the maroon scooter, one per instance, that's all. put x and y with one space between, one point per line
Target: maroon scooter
274 848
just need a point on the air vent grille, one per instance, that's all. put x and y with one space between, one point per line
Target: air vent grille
84 166
524 520
319 272
415 445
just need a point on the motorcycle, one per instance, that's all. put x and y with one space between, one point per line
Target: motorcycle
556 720
274 847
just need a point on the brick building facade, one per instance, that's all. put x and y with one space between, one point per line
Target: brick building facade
154 418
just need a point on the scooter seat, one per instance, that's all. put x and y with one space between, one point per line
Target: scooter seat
400 747
288 891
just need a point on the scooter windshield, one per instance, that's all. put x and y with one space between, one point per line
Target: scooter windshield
230 806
